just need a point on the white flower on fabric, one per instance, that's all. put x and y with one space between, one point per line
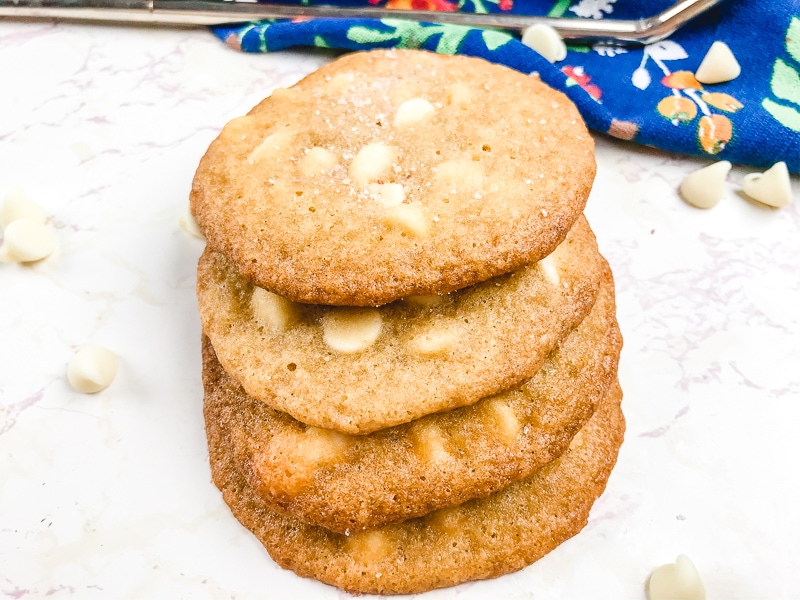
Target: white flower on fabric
608 50
593 9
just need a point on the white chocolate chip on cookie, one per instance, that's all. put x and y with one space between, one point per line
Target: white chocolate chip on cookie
718 65
92 369
410 218
413 112
546 41
676 581
340 82
272 311
435 341
372 161
351 330
27 240
387 194
459 94
503 419
705 187
548 266
188 223
317 161
460 174
772 187
17 206
274 146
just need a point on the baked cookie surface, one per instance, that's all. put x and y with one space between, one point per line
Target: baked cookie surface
360 370
348 483
479 539
393 173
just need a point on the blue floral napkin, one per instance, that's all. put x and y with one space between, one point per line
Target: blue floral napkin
648 95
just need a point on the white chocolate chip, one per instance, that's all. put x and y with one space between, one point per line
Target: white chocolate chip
188 223
548 266
273 146
410 218
27 240
705 187
678 581
340 82
412 112
435 341
92 369
372 161
719 65
546 41
351 330
272 311
17 206
425 301
459 94
387 194
772 187
460 174
317 161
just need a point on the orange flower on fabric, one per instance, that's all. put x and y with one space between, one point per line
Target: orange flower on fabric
677 109
723 102
681 80
440 5
714 132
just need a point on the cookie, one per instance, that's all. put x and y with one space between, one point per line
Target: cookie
479 539
393 173
360 370
347 483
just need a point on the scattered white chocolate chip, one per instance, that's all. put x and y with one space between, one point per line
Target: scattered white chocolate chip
351 330
410 218
412 112
27 240
272 311
548 266
387 194
92 369
705 187
435 341
676 581
317 161
772 187
17 206
273 146
546 41
429 443
719 65
460 173
372 161
425 301
188 223
459 94
340 82
503 418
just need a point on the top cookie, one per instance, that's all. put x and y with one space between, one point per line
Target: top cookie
394 173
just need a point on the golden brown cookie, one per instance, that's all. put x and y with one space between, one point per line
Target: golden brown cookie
422 355
348 483
394 173
479 539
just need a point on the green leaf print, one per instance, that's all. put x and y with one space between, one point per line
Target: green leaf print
320 42
495 39
412 35
785 82
785 115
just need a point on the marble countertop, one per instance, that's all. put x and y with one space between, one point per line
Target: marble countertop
109 495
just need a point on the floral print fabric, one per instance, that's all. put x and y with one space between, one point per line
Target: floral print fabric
648 95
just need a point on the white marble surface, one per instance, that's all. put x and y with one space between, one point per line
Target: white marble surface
109 495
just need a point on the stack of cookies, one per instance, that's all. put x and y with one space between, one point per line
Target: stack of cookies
410 346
